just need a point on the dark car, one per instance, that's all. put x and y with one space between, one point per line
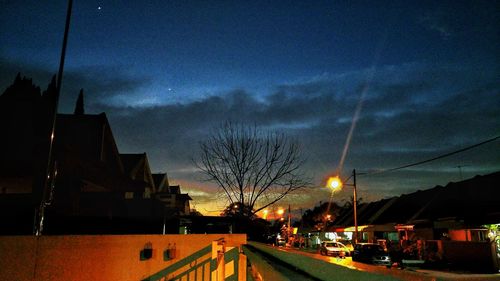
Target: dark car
371 253
333 248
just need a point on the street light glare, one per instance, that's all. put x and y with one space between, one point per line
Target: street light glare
334 183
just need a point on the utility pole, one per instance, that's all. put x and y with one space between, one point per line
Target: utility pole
288 227
355 207
49 178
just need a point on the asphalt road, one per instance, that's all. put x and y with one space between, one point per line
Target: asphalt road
402 274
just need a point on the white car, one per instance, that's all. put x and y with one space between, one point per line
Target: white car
334 248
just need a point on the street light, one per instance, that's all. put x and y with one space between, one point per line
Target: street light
266 212
335 183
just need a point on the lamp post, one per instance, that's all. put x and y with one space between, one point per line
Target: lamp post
334 183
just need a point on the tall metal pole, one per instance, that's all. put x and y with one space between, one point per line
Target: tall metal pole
355 208
48 172
288 226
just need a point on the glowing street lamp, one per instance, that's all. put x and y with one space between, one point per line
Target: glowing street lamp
335 183
281 212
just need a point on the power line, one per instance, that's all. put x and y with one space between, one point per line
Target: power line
433 159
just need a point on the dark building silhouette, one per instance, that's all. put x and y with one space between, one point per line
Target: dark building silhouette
79 108
97 189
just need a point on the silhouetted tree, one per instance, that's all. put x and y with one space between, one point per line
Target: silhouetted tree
79 108
318 216
251 165
247 222
237 209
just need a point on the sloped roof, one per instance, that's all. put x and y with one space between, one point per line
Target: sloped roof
476 201
88 137
161 182
85 147
136 167
367 213
183 196
345 217
407 205
131 162
175 189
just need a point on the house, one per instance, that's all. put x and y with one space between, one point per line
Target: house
370 227
454 222
427 214
96 189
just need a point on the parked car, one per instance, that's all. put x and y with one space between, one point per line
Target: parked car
280 242
333 248
371 253
347 244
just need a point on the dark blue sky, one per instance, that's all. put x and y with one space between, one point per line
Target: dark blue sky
167 71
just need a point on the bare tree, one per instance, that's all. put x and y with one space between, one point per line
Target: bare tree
253 167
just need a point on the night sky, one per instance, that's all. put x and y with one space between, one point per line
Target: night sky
424 76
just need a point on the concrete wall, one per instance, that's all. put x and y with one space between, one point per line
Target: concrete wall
476 256
96 257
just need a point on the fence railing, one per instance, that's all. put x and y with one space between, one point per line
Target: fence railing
213 262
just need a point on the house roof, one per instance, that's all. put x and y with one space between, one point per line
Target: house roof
131 162
183 196
407 205
136 166
85 147
175 189
88 137
475 201
368 213
161 182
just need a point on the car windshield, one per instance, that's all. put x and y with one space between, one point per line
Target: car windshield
331 244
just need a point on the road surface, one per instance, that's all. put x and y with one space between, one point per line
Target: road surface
401 274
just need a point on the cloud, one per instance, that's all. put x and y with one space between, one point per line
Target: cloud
411 112
437 22
101 84
105 84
